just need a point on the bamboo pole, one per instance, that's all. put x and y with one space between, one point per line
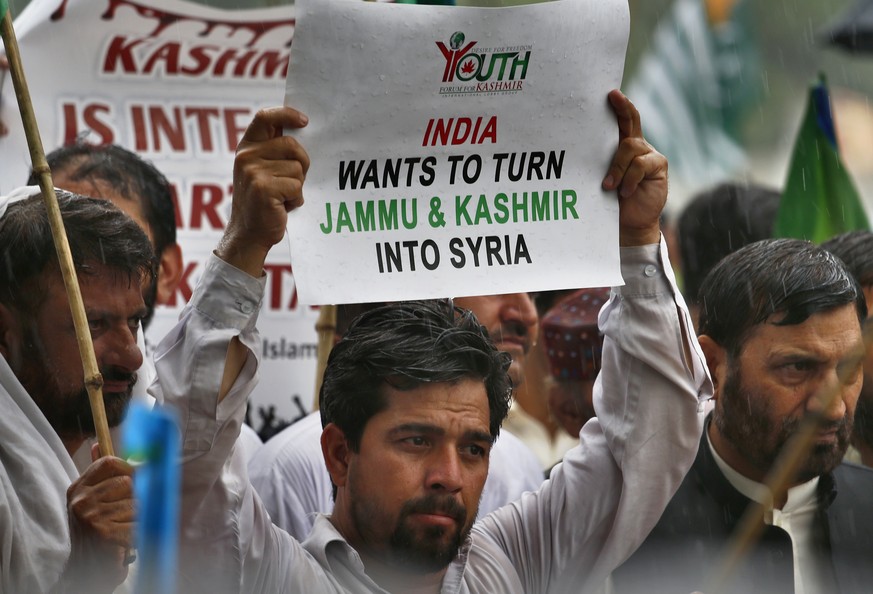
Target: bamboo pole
93 378
325 326
784 472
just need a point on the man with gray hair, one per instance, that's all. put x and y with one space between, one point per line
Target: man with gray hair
780 325
63 531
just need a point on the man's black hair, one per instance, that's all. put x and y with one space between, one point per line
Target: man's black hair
855 249
789 278
718 222
126 173
99 234
405 345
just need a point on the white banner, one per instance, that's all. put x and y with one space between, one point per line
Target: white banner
177 83
455 151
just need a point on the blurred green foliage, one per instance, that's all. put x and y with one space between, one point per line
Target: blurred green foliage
792 54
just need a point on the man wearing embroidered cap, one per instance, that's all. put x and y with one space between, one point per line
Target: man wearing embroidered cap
574 348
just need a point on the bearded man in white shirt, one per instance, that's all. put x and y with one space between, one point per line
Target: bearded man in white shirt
417 468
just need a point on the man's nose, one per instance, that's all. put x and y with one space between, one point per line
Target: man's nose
119 349
520 307
444 471
831 399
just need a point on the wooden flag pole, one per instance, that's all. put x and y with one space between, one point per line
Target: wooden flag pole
93 378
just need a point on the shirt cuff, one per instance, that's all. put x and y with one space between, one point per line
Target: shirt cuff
228 296
643 270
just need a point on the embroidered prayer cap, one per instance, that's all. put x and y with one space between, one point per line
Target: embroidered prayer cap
571 338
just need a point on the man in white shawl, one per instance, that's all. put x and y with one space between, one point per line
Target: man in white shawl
60 531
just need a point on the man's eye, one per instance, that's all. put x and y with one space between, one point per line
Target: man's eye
476 450
416 441
801 366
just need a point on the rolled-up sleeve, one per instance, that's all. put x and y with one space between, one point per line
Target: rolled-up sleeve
189 363
609 492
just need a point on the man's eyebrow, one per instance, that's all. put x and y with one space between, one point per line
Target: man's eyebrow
476 435
100 313
97 312
793 356
424 428
427 429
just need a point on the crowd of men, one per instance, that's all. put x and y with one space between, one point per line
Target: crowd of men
403 481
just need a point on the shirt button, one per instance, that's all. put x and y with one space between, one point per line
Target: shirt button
246 307
650 270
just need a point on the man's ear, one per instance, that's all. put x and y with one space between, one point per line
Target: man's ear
716 361
169 273
336 452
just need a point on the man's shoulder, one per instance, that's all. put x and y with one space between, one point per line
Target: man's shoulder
296 443
300 431
851 504
849 474
851 507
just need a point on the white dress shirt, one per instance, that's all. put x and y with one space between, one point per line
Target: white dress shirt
598 505
797 518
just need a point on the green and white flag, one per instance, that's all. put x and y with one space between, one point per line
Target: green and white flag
692 86
819 199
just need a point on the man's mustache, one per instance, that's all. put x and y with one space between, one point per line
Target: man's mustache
438 505
117 375
510 329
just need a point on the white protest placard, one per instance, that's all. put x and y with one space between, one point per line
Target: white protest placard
176 83
455 151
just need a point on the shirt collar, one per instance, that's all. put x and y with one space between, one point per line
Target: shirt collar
799 497
331 549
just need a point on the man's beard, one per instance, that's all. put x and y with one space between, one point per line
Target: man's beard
69 413
745 422
429 549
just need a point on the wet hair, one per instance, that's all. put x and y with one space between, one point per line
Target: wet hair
791 278
99 234
346 314
405 345
718 222
127 174
855 249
